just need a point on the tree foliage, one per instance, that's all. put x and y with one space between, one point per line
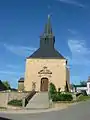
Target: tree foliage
84 83
62 97
6 84
58 96
52 90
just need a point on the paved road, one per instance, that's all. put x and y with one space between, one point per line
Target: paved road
80 111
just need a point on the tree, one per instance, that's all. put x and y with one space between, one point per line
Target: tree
6 84
83 83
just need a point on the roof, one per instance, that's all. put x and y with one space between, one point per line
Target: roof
21 79
80 85
46 53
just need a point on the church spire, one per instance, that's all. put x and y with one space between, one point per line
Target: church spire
47 40
48 27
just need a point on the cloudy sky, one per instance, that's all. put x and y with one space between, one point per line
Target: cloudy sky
21 24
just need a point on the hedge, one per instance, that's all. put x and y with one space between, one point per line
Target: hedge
58 96
62 97
15 102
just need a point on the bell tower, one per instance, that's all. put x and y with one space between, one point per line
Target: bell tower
47 42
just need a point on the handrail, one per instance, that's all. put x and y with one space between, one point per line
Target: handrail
28 97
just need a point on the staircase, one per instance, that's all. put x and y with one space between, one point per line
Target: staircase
39 101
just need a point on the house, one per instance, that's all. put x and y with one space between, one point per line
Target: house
80 88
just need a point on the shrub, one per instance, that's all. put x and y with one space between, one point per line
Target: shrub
52 90
58 96
59 90
62 97
84 93
54 97
15 102
78 94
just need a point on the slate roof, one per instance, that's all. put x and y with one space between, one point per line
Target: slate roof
21 79
46 53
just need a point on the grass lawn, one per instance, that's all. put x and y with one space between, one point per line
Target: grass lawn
83 98
15 102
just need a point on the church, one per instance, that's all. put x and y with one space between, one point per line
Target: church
46 65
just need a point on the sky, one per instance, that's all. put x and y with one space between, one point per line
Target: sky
21 24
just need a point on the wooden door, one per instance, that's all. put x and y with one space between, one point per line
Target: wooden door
44 84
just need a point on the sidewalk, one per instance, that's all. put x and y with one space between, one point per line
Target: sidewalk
26 111
29 111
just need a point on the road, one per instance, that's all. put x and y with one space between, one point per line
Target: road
80 111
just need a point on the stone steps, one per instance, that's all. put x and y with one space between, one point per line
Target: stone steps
39 100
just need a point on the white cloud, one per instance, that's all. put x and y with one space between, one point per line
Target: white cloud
72 2
13 66
20 50
72 31
9 72
80 52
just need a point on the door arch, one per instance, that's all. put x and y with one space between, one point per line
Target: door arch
44 84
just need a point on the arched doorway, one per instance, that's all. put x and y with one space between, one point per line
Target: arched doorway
44 84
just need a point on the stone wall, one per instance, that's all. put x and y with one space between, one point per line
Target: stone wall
5 97
16 95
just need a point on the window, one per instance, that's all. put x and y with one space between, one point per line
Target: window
46 40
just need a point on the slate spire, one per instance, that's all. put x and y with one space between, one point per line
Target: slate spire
48 27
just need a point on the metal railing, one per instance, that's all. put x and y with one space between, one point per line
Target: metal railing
27 98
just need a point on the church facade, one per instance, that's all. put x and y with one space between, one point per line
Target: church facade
46 65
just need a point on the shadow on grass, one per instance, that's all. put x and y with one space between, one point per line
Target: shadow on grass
2 118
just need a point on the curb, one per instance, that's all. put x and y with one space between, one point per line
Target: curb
35 111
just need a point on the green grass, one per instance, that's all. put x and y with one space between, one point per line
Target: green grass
83 98
15 102
3 108
65 101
